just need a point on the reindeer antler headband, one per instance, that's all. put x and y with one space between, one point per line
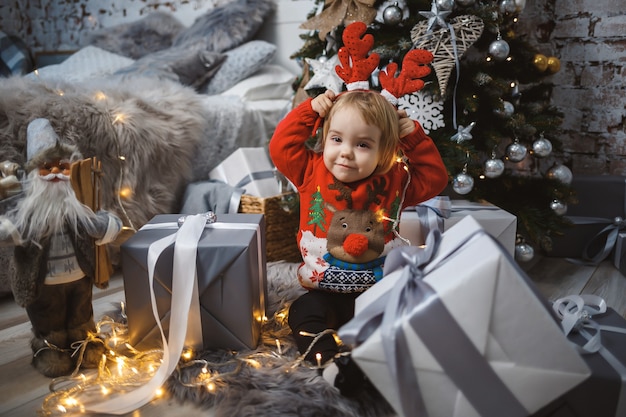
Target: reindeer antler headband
357 64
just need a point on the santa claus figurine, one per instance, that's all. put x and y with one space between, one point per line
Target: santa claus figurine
55 236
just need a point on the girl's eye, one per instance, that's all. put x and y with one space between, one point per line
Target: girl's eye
336 139
363 145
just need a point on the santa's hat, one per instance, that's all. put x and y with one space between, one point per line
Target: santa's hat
43 144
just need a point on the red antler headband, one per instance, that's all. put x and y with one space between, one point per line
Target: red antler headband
357 66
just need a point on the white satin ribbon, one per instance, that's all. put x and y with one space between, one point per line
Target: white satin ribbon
183 283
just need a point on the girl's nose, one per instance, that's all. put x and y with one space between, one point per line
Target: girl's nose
346 152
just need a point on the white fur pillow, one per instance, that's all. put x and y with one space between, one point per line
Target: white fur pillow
271 82
240 63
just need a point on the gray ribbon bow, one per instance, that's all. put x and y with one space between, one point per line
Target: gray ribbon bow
414 301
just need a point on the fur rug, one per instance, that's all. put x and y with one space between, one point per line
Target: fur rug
281 385
157 130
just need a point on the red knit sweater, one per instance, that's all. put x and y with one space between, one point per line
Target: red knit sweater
321 195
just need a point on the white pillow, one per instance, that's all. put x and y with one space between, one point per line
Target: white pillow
87 63
271 82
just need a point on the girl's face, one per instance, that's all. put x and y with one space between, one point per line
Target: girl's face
351 146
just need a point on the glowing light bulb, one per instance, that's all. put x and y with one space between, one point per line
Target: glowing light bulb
126 192
119 118
187 354
71 402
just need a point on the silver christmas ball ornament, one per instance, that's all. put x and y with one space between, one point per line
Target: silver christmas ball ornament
559 207
499 49
392 15
445 4
493 168
508 6
524 252
560 173
506 111
516 152
463 183
542 147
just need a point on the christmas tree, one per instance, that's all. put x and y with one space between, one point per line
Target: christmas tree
486 104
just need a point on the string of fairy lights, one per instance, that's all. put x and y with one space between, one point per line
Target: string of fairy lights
124 368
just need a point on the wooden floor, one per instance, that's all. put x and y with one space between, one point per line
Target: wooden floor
22 389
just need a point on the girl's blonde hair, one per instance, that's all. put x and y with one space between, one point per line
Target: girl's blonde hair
376 111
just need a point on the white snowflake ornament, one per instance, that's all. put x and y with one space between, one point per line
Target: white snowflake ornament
324 74
424 108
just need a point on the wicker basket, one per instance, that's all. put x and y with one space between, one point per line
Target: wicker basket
281 224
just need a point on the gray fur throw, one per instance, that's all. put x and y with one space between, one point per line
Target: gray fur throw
281 386
155 32
227 26
156 130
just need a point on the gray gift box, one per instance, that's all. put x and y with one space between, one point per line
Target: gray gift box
231 275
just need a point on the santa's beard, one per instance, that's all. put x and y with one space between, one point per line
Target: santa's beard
48 207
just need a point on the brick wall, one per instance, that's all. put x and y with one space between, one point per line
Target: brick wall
589 37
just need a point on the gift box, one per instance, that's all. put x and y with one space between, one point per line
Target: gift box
266 192
603 394
619 254
601 199
230 271
250 169
467 330
499 223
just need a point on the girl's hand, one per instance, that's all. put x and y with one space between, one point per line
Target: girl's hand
406 126
322 103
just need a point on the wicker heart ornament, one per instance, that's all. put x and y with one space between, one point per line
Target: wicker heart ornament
467 29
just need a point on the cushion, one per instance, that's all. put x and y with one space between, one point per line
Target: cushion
15 57
152 33
240 63
192 66
87 63
271 82
227 26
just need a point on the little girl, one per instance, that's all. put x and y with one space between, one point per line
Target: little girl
351 195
